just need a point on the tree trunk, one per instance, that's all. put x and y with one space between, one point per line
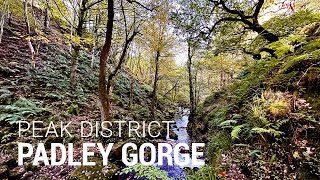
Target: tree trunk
33 63
76 48
46 19
191 94
155 83
103 91
2 21
196 88
95 34
265 33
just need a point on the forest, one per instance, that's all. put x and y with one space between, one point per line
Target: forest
241 77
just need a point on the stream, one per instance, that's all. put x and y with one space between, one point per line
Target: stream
180 128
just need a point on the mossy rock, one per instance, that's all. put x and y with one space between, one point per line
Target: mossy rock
3 172
30 167
10 146
94 172
16 172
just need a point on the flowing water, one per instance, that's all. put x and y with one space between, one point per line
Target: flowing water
180 128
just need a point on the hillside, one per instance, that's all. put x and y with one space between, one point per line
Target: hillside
45 94
159 89
266 124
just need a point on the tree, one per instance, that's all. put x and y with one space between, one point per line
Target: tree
103 92
84 8
159 43
130 31
240 15
32 51
190 77
5 8
189 19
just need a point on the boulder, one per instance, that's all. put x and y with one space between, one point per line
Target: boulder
16 172
3 171
94 172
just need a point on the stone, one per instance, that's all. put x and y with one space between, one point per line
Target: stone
30 167
94 172
3 171
173 135
27 175
16 172
116 151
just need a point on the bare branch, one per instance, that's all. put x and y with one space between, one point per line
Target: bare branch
143 6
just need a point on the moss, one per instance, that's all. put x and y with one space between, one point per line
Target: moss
295 62
283 81
312 45
3 172
74 109
314 100
94 172
283 50
30 167
297 39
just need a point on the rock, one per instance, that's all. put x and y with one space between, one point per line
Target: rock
3 172
183 150
16 172
13 64
94 172
30 167
116 151
311 29
173 135
27 175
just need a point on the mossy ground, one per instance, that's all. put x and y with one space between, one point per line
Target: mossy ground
235 111
45 94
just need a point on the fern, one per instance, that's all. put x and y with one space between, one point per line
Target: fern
20 110
149 172
204 173
280 123
236 131
227 123
268 131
